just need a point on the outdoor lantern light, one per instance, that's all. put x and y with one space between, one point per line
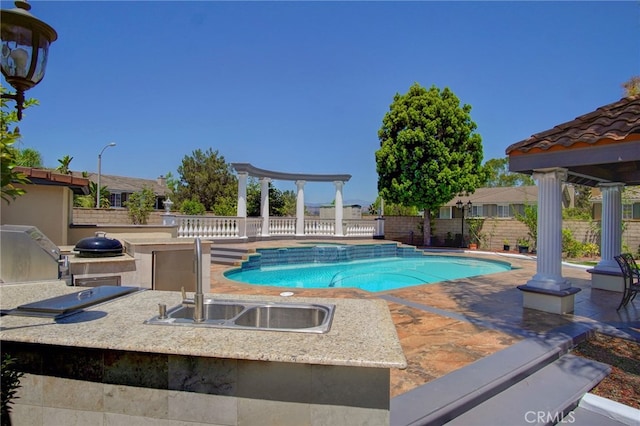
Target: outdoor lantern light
25 49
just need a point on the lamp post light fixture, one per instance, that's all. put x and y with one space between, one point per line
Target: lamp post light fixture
100 172
461 206
25 50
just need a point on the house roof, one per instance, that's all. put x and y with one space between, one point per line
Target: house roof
500 195
602 146
78 185
631 193
120 184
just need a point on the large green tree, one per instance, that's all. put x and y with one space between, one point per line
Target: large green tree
498 174
429 151
206 177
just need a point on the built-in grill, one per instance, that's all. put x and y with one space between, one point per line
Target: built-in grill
98 246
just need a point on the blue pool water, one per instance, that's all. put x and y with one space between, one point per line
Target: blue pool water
377 274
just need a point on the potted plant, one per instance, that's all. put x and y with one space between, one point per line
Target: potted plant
523 245
505 245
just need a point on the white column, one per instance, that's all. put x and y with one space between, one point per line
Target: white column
549 242
339 208
611 235
242 194
264 205
300 207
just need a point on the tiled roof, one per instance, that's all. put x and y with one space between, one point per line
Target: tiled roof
614 122
119 184
500 195
37 176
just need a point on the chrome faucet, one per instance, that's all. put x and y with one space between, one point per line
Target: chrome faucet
198 297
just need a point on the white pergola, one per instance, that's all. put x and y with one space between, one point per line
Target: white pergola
245 170
599 149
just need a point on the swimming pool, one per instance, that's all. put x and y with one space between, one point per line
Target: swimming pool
377 273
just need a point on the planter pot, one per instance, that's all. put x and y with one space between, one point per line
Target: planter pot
473 246
506 247
523 249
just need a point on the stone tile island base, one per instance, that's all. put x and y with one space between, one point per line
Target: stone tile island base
606 280
72 385
552 301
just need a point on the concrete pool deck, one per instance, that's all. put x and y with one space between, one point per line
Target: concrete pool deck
445 326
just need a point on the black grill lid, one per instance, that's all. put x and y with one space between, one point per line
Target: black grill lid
99 245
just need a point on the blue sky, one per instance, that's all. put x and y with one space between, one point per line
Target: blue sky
302 87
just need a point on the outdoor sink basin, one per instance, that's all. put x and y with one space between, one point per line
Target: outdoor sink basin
245 315
272 317
212 311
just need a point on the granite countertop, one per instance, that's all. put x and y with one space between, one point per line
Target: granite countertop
362 332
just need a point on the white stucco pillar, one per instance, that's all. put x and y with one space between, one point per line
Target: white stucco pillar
264 205
242 194
339 208
548 291
300 207
611 234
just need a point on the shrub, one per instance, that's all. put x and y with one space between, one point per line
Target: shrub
140 205
192 207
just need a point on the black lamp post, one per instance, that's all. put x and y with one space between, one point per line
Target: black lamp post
461 206
25 49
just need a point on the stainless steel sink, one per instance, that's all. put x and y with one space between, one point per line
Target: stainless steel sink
245 315
284 317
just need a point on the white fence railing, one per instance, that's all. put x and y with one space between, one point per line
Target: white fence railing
239 227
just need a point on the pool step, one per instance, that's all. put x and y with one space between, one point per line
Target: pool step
535 374
232 256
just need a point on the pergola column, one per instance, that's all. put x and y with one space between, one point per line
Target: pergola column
339 208
264 205
242 203
242 194
548 291
611 234
300 207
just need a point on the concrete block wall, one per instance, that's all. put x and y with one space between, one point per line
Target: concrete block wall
407 229
88 216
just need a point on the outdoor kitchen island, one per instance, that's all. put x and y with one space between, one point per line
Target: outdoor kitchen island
105 366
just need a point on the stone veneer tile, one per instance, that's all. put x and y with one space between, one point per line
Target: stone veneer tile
253 412
79 362
212 376
111 419
30 390
209 409
275 381
76 394
348 386
26 415
136 369
136 401
332 415
60 416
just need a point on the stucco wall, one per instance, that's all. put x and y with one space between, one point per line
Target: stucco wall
49 208
82 216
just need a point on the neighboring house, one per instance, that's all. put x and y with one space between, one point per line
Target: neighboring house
121 187
47 204
500 202
630 203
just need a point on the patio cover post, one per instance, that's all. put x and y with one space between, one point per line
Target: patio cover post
264 205
547 290
242 203
300 207
611 225
339 208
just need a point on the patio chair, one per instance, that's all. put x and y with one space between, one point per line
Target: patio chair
631 282
635 269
